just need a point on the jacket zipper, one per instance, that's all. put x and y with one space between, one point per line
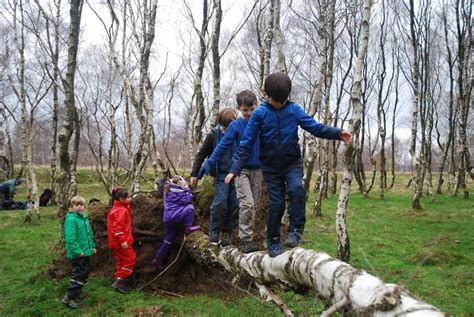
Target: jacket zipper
87 232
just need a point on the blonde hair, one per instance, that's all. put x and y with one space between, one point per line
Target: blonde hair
77 200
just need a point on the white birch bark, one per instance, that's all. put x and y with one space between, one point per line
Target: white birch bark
416 159
279 40
65 159
343 245
26 122
336 283
316 98
266 48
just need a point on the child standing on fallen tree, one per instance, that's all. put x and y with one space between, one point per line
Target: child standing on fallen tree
275 123
224 208
250 182
178 213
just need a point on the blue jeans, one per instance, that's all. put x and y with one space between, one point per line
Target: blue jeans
277 187
224 208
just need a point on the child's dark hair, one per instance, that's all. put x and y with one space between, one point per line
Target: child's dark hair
118 193
246 98
226 116
278 86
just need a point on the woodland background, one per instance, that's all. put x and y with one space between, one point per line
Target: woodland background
140 90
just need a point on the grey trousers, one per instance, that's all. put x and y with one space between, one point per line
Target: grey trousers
248 189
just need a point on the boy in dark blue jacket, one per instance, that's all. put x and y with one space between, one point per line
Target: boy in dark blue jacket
275 123
250 181
224 208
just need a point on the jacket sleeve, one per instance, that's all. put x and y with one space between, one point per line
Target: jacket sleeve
70 237
317 129
188 196
117 223
246 143
204 151
224 144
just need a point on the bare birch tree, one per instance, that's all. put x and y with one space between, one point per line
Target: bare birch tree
30 91
279 39
446 145
464 25
343 244
51 46
265 46
310 141
66 160
140 94
198 97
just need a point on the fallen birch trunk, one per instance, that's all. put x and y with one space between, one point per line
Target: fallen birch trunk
342 287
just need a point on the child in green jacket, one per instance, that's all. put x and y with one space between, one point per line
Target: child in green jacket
79 240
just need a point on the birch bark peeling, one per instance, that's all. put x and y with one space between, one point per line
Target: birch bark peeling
333 281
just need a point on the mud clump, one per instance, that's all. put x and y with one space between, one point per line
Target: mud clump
185 276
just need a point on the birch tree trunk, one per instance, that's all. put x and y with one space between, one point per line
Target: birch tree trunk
26 122
464 85
340 94
448 143
323 188
350 291
343 244
6 152
265 49
279 39
381 116
316 99
70 113
198 96
415 159
216 61
51 45
396 71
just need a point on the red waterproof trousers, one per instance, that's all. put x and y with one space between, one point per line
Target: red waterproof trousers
125 262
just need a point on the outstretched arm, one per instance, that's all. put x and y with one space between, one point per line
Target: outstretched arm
204 151
246 144
224 144
317 129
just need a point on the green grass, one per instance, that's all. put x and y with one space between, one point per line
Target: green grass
430 253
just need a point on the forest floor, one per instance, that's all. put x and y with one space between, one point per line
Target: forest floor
428 252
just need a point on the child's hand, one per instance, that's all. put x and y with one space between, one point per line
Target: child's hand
81 255
229 178
124 245
193 181
346 137
95 250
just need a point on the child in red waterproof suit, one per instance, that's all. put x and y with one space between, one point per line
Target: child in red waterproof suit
178 213
119 231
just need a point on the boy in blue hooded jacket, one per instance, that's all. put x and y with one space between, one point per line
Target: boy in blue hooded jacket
250 182
275 124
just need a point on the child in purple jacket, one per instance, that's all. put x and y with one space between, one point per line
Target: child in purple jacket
178 212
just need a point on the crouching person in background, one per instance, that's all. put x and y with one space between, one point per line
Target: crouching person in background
178 214
79 240
119 232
